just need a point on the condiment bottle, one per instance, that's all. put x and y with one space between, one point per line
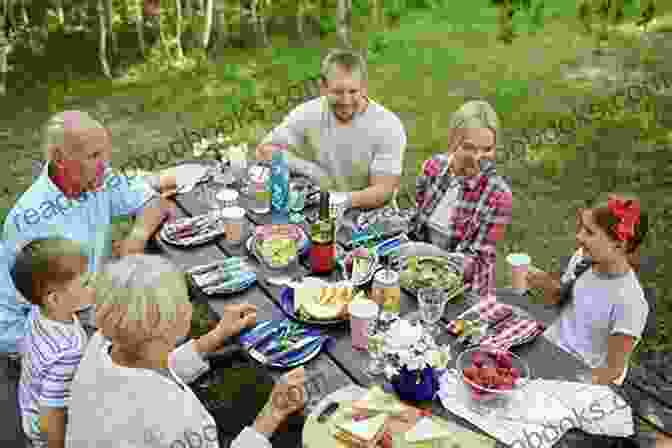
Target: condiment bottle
323 248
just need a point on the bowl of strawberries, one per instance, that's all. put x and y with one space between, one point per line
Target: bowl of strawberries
491 377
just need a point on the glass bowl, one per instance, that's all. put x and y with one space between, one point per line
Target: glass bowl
496 388
271 232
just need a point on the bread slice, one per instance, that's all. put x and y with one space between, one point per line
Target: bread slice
363 433
426 429
376 400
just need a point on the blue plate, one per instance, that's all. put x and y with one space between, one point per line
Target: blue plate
300 357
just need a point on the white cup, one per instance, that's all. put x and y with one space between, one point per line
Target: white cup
520 264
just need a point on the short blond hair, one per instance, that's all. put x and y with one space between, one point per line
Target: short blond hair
138 282
475 114
59 125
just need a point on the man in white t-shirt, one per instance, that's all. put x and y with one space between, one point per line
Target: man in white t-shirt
355 141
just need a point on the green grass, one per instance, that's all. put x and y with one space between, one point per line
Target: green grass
424 70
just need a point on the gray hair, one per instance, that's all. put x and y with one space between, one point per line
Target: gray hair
140 280
56 128
348 59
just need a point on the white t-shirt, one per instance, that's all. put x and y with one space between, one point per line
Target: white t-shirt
376 138
114 406
602 305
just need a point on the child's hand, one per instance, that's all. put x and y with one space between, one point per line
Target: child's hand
539 279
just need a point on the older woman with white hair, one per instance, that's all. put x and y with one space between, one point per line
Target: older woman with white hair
130 389
463 205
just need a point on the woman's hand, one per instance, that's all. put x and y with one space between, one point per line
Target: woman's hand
265 152
287 397
237 317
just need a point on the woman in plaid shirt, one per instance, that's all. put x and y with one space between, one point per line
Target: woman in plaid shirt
463 205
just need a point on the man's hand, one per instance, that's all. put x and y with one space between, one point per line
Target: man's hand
605 375
265 151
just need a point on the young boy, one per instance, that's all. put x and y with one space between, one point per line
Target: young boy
50 273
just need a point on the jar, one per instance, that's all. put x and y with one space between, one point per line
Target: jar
228 197
234 224
387 292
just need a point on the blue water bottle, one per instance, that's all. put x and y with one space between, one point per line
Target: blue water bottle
280 184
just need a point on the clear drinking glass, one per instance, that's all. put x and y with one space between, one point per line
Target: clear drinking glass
208 195
297 198
432 303
376 342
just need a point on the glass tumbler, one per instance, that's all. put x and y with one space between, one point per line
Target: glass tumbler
375 342
432 303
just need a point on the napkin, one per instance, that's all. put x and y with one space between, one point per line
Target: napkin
377 400
512 331
544 411
488 310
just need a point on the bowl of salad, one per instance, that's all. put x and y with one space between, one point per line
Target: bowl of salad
278 246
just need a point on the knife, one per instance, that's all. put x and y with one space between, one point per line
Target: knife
293 348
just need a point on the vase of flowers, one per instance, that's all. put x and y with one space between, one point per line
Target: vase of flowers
417 378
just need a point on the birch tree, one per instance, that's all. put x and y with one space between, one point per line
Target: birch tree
102 41
207 29
140 26
111 35
4 46
178 28
344 22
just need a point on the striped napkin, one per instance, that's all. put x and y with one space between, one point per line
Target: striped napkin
488 310
512 331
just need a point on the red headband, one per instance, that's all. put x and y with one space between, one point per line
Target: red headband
628 213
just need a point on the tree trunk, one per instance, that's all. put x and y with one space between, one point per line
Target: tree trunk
4 50
11 16
60 13
207 29
140 27
344 22
178 28
162 34
188 9
109 8
24 13
102 47
260 13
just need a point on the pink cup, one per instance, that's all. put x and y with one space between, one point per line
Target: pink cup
362 313
520 264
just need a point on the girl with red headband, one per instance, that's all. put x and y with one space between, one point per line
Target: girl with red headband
606 311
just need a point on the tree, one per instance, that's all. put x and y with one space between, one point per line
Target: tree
178 28
5 47
140 26
344 22
207 30
102 42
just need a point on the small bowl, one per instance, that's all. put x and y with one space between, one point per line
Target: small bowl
489 398
263 233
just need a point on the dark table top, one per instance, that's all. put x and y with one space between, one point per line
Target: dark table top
347 365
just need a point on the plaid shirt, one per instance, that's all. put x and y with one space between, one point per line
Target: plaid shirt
481 213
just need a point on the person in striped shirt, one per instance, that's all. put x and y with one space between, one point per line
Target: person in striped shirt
51 274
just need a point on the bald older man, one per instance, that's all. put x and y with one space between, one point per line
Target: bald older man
77 194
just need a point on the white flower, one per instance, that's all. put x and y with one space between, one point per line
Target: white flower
198 149
220 139
390 371
205 143
415 363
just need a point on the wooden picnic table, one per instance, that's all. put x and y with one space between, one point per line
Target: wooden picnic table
346 365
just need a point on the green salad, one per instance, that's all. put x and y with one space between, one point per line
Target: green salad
430 272
277 252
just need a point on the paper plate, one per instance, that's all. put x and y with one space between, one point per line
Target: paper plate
188 173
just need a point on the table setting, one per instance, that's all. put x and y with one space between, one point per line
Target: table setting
406 359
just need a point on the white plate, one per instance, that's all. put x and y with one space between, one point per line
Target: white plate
187 174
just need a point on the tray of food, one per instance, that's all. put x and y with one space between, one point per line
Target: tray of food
277 246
